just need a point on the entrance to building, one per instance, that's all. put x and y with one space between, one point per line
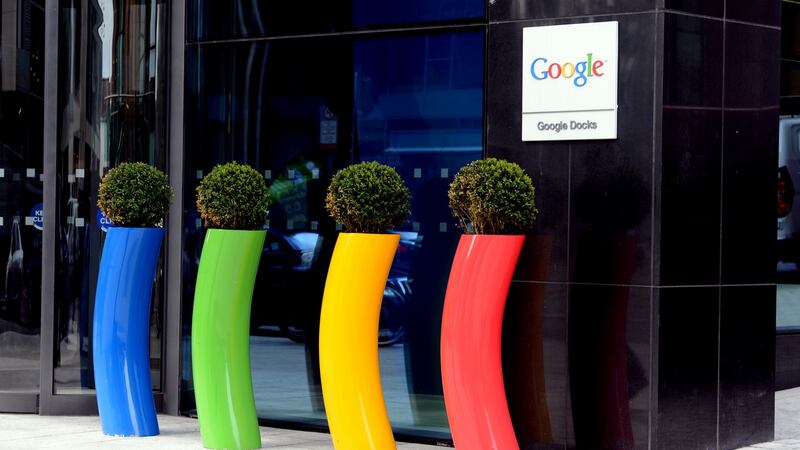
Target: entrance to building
106 64
21 113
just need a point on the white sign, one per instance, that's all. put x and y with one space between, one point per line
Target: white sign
569 82
328 126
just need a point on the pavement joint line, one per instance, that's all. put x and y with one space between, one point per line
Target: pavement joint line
176 433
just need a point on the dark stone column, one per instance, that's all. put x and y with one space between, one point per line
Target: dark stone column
718 160
642 312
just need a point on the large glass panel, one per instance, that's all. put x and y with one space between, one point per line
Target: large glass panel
419 108
111 109
21 125
788 244
212 19
413 102
260 104
371 13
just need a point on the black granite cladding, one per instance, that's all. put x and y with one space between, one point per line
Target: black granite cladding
643 311
500 10
689 368
747 365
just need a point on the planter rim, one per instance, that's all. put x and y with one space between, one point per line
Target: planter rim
236 231
371 234
494 235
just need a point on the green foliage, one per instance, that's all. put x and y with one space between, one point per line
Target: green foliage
234 197
492 196
368 198
135 195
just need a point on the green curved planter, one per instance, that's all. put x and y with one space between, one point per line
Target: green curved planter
223 388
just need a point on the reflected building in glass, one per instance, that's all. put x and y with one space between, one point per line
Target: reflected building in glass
643 309
412 101
112 67
22 75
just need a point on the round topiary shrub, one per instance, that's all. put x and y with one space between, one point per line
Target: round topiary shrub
233 196
368 198
493 196
135 195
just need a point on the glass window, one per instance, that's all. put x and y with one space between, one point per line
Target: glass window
212 19
371 13
413 102
108 114
419 108
261 104
790 59
21 124
788 246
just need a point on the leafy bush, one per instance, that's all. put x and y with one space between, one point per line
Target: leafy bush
368 198
135 195
233 196
492 196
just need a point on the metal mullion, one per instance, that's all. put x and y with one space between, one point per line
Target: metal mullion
19 402
49 402
171 355
50 149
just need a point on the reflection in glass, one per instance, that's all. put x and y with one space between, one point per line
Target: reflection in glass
788 211
608 377
268 108
110 110
213 19
21 124
527 372
415 103
419 109
372 13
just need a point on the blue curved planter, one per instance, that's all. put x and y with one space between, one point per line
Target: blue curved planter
121 331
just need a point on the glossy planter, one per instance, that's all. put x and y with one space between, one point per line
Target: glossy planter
120 337
223 387
472 323
348 341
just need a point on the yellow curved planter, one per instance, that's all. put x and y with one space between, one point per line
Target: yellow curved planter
348 341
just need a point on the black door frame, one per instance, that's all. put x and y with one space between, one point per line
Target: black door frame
47 402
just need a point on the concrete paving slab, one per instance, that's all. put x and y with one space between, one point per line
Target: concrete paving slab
26 431
32 432
788 444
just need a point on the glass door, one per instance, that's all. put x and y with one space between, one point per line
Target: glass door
21 122
111 107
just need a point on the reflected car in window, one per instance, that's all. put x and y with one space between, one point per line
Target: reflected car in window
788 248
288 287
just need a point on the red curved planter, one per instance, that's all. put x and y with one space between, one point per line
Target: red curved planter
472 322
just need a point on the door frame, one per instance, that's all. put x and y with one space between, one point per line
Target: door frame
47 402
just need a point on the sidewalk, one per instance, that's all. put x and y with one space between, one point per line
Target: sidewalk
27 431
787 422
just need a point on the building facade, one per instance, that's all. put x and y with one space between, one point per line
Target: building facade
643 310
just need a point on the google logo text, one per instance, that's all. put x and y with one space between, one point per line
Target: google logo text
578 72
